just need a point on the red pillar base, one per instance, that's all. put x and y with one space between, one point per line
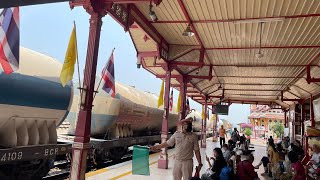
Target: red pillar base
163 161
79 158
204 142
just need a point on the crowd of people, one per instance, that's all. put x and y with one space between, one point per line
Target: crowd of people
231 161
234 160
282 162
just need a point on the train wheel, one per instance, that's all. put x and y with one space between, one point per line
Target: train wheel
99 157
117 153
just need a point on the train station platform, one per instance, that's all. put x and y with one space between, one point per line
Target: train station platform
123 170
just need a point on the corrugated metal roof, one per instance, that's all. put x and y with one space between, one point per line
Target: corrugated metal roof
229 32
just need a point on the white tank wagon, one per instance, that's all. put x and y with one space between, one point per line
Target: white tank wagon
132 113
33 102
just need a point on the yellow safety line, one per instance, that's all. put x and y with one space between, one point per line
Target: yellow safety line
129 172
93 173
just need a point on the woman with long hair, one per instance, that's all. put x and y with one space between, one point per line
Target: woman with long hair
218 162
274 160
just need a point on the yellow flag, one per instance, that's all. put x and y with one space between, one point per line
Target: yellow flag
203 114
179 102
160 100
70 59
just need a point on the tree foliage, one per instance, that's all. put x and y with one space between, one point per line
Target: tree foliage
248 132
278 128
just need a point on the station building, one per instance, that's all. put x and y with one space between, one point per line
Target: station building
261 118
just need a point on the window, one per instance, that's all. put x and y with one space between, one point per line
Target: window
270 120
275 120
262 121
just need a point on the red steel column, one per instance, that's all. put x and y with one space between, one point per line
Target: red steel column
204 125
213 124
163 158
285 119
313 123
183 93
81 142
302 121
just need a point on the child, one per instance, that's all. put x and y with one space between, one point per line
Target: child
315 159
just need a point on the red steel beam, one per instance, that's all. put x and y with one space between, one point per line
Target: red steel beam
179 56
252 90
189 76
268 65
203 96
309 78
184 63
187 16
147 23
303 70
266 77
242 19
251 95
192 91
178 85
250 48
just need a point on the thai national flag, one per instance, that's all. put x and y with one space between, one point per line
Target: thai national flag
108 77
171 100
9 39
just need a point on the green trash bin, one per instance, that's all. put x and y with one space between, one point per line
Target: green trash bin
140 160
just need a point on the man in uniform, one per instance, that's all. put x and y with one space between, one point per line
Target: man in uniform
186 142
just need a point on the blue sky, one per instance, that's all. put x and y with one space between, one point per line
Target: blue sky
47 28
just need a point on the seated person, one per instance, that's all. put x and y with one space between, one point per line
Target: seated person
298 150
226 152
287 174
242 143
218 163
227 173
231 145
314 162
245 169
265 161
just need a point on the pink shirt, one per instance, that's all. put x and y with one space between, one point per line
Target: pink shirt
298 170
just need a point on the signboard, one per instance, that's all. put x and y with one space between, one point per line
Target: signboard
259 128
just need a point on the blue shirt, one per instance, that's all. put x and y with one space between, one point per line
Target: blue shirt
224 175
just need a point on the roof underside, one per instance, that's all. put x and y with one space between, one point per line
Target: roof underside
228 32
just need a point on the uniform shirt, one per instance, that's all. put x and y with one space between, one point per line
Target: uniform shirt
222 133
185 143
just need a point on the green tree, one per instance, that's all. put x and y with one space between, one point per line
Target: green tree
278 128
247 132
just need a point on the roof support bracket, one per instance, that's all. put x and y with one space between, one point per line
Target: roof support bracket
309 78
300 101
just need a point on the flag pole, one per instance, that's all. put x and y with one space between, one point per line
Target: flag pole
80 89
95 93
